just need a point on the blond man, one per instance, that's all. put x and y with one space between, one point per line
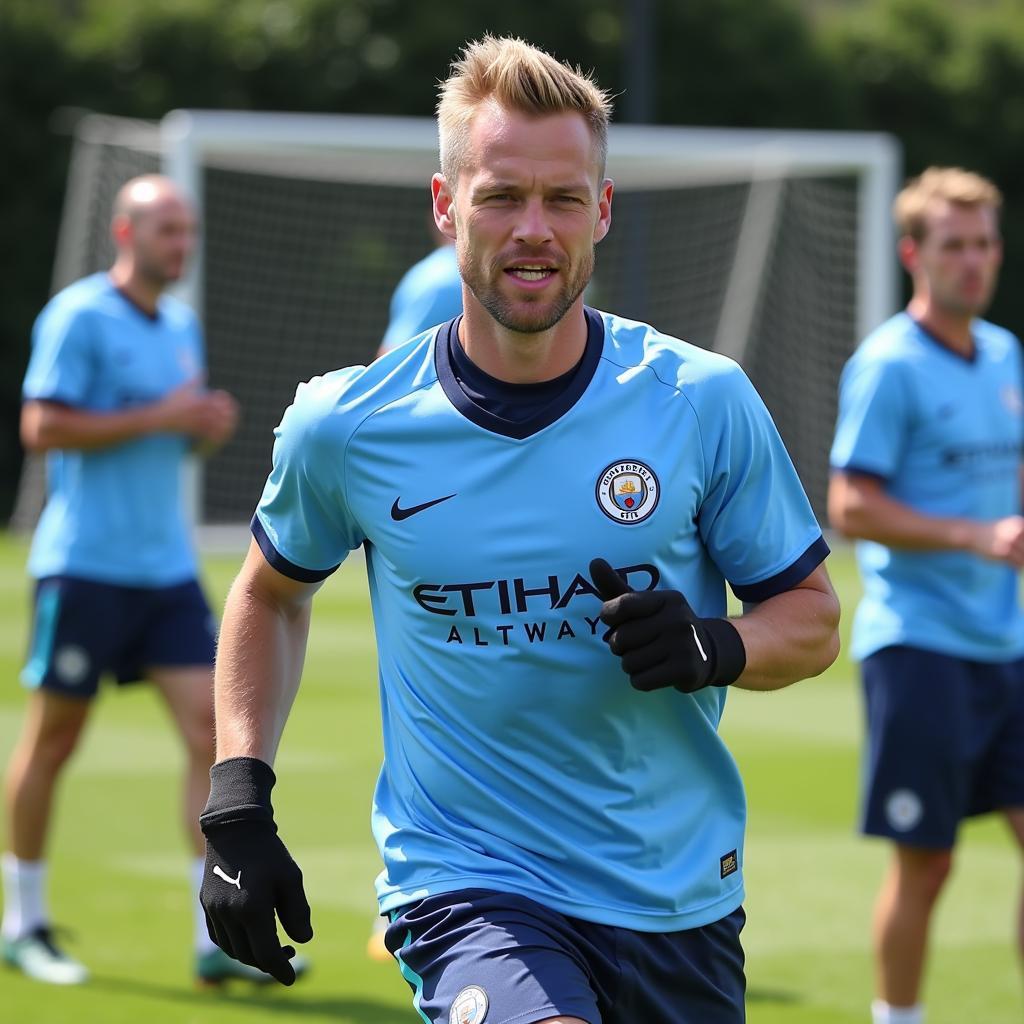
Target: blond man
560 824
927 478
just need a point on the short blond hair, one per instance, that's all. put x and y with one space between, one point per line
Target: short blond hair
947 184
518 77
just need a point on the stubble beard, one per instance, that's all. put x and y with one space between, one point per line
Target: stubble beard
522 316
157 274
954 303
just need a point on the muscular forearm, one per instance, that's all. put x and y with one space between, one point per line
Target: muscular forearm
789 637
259 662
45 426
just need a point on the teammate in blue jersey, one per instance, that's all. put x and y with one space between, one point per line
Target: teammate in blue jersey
927 476
429 293
113 394
551 500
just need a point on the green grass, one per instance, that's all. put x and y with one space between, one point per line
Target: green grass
118 859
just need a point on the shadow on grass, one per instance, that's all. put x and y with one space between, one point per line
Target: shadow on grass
778 996
336 1009
268 999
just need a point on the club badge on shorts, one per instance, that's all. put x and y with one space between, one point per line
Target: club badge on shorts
470 1006
903 809
628 491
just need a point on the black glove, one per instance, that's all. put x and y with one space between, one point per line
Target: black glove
249 873
660 639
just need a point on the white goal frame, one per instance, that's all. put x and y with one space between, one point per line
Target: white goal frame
402 151
639 158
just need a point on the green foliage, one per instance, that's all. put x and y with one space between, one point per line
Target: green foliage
947 78
948 81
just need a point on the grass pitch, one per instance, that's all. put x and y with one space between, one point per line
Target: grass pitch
119 861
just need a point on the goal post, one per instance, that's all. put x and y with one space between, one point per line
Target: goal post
774 247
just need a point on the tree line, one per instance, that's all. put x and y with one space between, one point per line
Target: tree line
945 77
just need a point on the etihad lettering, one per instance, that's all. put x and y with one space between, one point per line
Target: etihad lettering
519 595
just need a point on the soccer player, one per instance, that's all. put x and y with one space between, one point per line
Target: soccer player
429 293
113 394
551 500
927 476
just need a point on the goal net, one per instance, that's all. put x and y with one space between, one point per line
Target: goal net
772 247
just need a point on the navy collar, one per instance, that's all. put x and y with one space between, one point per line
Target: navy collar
945 345
448 335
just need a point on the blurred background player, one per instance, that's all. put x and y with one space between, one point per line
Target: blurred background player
927 476
114 395
429 293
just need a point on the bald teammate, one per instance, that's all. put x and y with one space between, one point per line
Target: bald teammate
114 396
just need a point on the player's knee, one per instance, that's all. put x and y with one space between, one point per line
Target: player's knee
929 873
199 737
939 870
52 746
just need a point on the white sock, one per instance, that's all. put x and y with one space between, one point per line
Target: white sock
204 944
883 1013
24 896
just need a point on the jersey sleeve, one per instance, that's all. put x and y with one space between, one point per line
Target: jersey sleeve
302 523
418 305
61 367
417 316
755 519
871 427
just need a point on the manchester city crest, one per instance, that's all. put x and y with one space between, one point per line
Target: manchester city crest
628 491
470 1006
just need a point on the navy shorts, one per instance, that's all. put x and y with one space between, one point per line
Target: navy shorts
945 742
83 630
481 957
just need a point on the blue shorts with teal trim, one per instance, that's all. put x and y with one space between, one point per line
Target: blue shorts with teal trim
83 630
481 957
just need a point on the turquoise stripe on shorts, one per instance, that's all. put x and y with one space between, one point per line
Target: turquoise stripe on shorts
44 631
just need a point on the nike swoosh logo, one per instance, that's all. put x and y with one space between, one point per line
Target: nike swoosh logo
696 640
398 513
237 882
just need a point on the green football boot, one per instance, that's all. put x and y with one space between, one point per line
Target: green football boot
37 956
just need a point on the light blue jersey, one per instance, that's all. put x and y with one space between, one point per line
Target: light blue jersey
113 514
429 293
517 757
945 433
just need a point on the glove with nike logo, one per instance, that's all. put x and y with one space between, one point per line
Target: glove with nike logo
249 873
661 641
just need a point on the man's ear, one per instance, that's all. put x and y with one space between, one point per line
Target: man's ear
444 206
121 230
909 253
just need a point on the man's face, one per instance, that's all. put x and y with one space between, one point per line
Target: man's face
958 259
163 237
528 209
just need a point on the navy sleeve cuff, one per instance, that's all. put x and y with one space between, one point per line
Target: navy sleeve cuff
861 471
788 578
280 563
55 397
